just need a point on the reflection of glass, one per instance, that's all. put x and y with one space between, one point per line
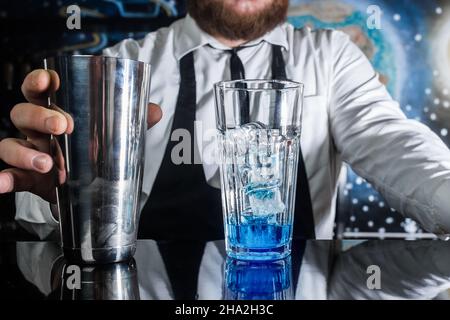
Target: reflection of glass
116 281
258 280
259 134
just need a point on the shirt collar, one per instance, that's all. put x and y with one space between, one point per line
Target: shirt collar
192 37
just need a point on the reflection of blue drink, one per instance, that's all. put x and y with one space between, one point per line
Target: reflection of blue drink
255 280
259 163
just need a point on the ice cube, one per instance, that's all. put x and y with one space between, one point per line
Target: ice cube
254 125
244 141
265 198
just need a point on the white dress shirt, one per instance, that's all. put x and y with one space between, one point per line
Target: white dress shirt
348 115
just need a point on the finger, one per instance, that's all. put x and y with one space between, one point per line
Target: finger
38 83
32 119
58 160
21 154
55 82
154 114
16 180
70 122
42 141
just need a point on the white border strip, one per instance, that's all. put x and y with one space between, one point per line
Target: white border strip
397 235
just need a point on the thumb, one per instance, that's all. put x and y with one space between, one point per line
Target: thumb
154 114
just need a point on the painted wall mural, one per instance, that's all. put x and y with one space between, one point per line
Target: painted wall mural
411 52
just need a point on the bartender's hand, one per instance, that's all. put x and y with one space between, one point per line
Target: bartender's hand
34 169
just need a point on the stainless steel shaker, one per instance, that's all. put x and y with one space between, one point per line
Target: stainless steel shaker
104 156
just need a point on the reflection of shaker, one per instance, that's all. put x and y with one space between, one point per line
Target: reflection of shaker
103 157
258 280
116 281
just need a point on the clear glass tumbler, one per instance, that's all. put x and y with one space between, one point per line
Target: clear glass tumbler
259 123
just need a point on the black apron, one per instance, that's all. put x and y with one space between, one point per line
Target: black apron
182 205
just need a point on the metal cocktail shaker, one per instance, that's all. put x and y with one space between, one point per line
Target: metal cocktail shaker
104 156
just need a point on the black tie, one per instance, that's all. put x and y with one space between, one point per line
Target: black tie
237 73
236 66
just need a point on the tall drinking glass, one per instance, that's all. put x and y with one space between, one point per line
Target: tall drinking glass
258 124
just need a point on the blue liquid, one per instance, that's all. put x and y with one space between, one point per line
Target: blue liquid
257 238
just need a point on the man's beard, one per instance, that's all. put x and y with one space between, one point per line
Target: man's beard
215 18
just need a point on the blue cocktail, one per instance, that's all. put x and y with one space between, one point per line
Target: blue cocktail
258 166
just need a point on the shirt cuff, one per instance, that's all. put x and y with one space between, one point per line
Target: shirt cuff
36 261
441 210
34 214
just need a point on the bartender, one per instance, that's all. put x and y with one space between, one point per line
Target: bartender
348 116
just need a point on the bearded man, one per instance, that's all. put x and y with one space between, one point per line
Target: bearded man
348 116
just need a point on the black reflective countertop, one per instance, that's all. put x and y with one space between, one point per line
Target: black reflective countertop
382 269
